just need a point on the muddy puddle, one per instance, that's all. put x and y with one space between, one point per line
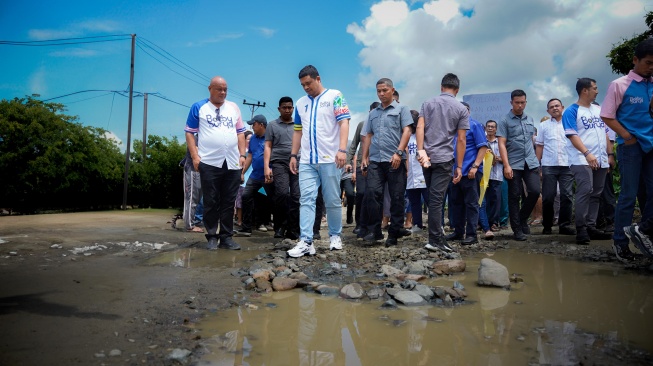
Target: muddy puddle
564 313
200 257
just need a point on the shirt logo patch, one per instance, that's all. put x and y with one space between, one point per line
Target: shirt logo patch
219 121
592 122
636 100
325 104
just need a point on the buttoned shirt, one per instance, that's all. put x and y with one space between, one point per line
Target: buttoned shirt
443 117
497 169
386 126
356 145
551 136
518 132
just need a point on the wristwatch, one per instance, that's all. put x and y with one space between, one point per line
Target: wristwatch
244 156
474 166
400 153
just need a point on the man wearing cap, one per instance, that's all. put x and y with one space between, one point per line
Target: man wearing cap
219 156
257 177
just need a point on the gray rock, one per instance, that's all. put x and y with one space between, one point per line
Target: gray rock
299 276
424 291
278 262
179 354
390 304
493 273
100 355
352 291
375 293
448 302
408 284
418 267
409 298
265 274
390 270
327 290
263 285
392 291
283 283
458 286
115 353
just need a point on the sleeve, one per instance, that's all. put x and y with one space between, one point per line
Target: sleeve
611 101
193 120
298 119
240 126
340 107
354 142
268 132
463 121
539 138
249 146
367 126
611 134
480 140
569 120
406 117
502 128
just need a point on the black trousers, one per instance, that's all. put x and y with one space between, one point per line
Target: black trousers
361 186
437 177
607 204
219 190
551 177
377 176
519 213
493 202
249 193
464 204
347 186
286 197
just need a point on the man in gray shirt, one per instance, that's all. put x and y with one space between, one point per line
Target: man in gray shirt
520 164
278 143
441 119
387 131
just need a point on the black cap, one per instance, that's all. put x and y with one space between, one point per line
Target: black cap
260 119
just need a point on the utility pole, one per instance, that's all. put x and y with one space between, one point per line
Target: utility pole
253 106
129 126
144 124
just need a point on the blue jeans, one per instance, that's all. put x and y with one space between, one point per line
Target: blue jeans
503 211
634 164
199 212
482 215
312 177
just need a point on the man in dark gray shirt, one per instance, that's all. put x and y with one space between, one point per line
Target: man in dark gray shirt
515 132
441 119
278 143
387 131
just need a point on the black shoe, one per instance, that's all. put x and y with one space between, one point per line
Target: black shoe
453 236
404 232
609 228
228 242
243 232
547 231
582 237
526 229
390 241
470 240
623 253
278 234
440 245
317 236
519 236
213 243
596 234
350 220
566 230
371 237
356 230
292 235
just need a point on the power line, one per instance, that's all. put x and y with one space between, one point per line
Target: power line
67 41
166 66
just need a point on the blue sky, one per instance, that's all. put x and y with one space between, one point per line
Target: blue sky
540 46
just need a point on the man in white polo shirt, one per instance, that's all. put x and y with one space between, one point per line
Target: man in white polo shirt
321 130
551 150
219 156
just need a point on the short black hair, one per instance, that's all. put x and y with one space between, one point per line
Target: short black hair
551 100
374 105
309 70
584 83
285 100
396 93
415 115
517 93
644 48
247 133
491 121
450 81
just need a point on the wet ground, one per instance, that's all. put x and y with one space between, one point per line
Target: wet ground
124 288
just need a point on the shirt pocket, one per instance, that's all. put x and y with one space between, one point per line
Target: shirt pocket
515 132
392 120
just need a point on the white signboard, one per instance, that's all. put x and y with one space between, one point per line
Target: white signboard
491 106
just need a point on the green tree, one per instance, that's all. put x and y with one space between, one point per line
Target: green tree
49 160
157 179
621 54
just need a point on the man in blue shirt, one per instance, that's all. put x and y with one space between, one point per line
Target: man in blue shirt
257 177
465 194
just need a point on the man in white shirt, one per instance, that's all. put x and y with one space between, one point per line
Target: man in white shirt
219 157
588 157
321 130
551 150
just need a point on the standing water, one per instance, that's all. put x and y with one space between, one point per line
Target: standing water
564 313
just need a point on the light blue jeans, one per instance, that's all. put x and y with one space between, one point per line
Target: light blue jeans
311 177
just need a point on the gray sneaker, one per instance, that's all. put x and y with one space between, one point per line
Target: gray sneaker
641 240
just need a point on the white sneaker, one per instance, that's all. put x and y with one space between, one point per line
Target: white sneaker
301 249
263 228
336 242
416 229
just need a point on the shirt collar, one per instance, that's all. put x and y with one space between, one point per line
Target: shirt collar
638 78
449 94
513 116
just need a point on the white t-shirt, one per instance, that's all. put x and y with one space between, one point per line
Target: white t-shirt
415 178
318 118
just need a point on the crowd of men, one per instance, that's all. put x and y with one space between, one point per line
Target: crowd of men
402 159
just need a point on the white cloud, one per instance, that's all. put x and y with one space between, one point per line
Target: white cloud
46 34
539 46
112 136
37 84
266 32
626 8
215 39
74 52
75 30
